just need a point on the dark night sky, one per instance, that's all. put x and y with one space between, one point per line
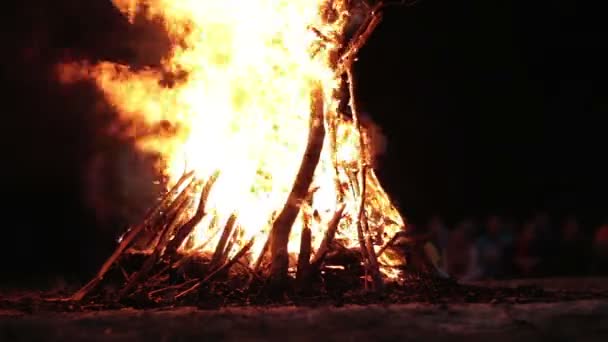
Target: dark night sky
488 106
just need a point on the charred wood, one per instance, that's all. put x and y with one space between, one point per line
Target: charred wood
328 238
189 226
282 225
221 245
128 239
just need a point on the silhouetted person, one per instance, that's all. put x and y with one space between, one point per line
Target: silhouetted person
440 235
493 248
600 250
572 257
460 251
547 242
527 257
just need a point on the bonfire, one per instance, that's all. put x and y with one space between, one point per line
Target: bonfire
270 184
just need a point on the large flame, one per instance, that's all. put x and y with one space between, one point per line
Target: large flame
239 103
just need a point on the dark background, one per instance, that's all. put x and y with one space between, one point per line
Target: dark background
489 106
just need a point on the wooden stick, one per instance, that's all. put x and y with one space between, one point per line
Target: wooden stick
128 239
171 287
258 262
187 228
360 38
328 238
362 227
387 244
234 238
332 121
164 212
282 225
153 259
224 267
407 238
175 208
221 245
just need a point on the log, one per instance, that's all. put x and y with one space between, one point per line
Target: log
128 239
282 225
188 227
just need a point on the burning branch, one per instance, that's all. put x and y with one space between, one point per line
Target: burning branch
187 228
130 236
283 223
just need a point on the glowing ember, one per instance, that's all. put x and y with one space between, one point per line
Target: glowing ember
241 107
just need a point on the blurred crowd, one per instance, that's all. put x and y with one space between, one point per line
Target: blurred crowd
539 246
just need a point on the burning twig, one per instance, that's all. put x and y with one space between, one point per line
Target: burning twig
169 217
225 267
282 225
367 249
221 245
128 238
152 259
361 37
330 233
260 259
187 228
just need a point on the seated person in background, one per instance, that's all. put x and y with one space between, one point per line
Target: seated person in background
572 257
600 250
459 251
527 252
493 248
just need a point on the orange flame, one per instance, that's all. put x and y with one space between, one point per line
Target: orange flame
242 108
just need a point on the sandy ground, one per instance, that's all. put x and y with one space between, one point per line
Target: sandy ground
563 321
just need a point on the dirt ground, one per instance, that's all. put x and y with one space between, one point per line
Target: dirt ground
580 320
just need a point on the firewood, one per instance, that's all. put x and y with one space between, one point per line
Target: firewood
360 38
362 227
221 245
172 287
187 228
260 259
174 210
234 238
221 269
128 239
332 121
153 259
282 225
330 233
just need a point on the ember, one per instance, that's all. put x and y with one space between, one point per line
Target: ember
270 185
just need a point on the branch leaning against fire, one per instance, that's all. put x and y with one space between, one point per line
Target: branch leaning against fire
168 226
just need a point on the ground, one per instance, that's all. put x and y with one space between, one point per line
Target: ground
580 320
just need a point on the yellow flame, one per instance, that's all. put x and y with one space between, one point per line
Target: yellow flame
242 107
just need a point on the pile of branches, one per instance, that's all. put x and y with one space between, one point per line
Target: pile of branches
164 274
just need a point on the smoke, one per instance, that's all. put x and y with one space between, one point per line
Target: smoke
374 138
121 184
